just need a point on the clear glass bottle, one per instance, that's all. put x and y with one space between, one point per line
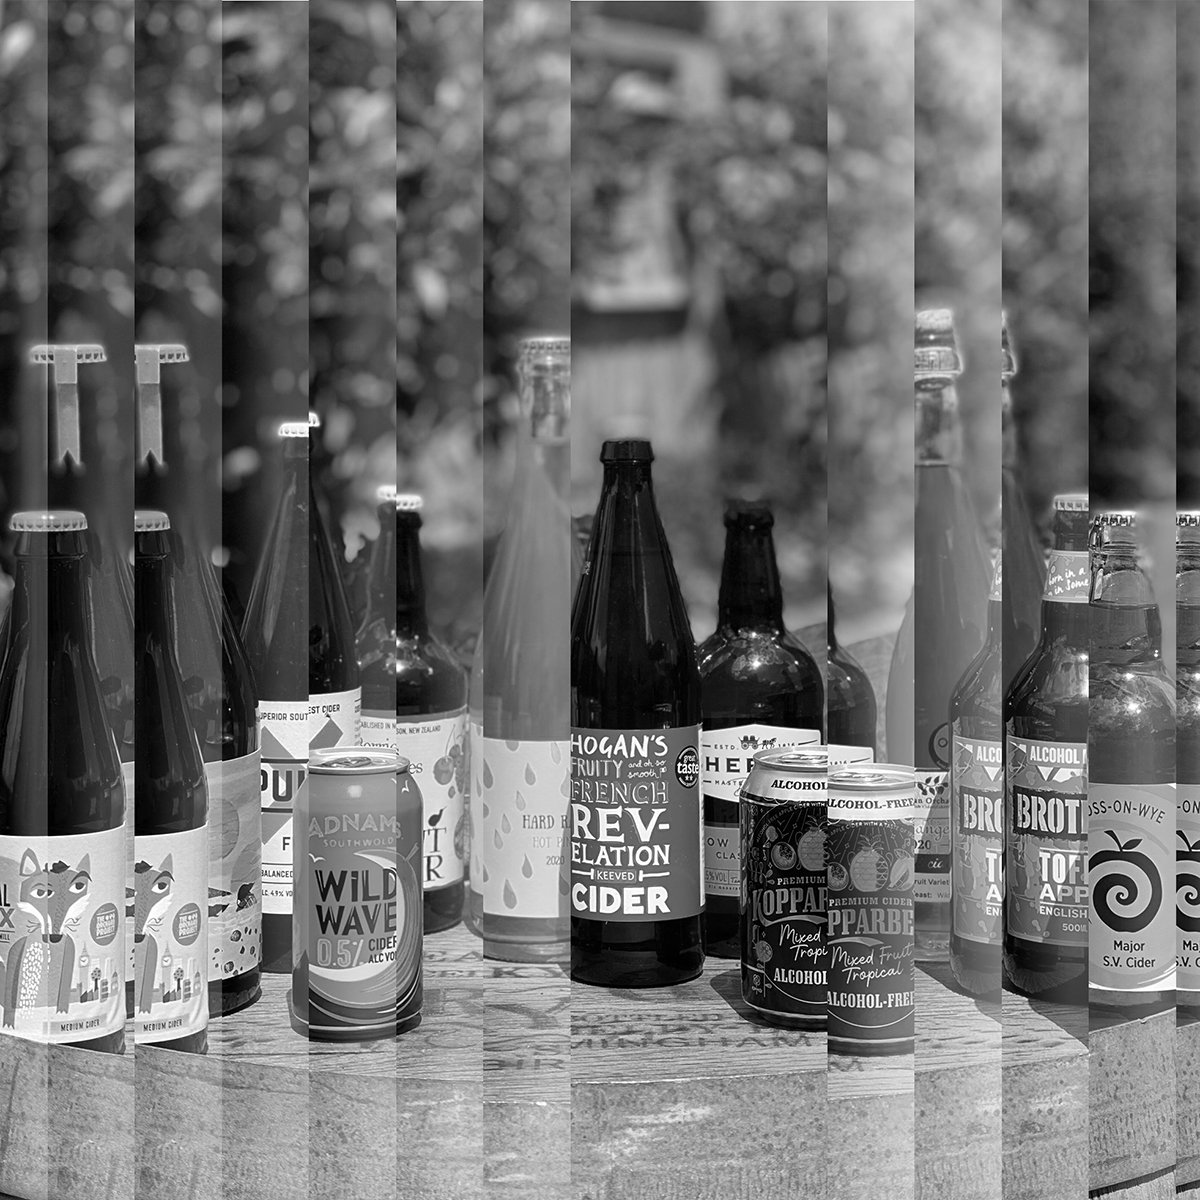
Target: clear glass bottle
1187 760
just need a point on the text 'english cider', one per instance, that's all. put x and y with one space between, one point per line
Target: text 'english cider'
1131 780
636 881
1045 764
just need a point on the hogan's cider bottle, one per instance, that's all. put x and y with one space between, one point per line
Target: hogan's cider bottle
637 886
1131 780
1046 775
760 690
1187 765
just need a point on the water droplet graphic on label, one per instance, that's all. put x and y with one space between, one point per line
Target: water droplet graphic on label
488 778
484 873
555 753
530 777
505 824
510 897
520 801
527 867
497 839
513 745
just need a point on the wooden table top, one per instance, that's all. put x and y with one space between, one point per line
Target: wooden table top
520 1084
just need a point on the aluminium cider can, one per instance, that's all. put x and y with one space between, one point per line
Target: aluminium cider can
869 908
782 815
357 919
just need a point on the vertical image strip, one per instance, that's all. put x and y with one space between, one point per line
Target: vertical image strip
1187 600
1044 458
1131 791
869 836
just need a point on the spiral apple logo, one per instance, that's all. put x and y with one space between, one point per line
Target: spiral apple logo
1187 884
1120 895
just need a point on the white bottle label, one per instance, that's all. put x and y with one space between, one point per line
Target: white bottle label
170 923
436 748
235 866
62 936
519 799
378 729
283 738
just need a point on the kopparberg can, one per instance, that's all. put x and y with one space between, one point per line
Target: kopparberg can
782 814
869 903
357 920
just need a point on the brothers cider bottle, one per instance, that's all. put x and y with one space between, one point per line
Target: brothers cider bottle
760 690
431 726
62 805
1045 766
977 810
275 633
943 627
637 888
1187 691
850 711
1131 780
169 904
1025 567
520 687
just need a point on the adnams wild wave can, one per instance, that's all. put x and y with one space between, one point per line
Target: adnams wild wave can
357 929
782 813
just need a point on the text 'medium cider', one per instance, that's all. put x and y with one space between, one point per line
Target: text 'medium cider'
782 812
869 906
356 972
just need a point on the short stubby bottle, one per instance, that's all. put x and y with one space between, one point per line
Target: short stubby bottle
760 690
636 869
1131 780
1045 768
63 957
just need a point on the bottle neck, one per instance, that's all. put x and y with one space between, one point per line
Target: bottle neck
1068 579
411 620
1126 625
1187 609
938 431
750 595
830 633
546 395
1008 429
51 593
153 597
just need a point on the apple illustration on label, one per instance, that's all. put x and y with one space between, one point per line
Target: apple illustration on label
1121 888
1187 884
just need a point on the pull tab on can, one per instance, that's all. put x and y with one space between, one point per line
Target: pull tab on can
65 360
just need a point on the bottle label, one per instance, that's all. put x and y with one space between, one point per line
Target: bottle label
839 756
977 816
783 952
1187 887
636 824
283 738
932 830
361 894
726 760
378 729
519 826
1068 577
1131 835
334 719
62 936
127 778
170 935
235 866
436 748
1046 871
869 928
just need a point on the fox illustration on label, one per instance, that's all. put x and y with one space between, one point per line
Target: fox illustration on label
41 965
151 902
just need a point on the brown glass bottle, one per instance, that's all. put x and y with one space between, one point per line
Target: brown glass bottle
851 714
636 883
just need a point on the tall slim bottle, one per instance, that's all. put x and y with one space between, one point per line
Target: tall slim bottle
1131 781
430 696
520 687
170 886
1025 572
1187 692
977 810
375 639
62 805
943 626
1046 778
850 712
637 887
760 689
275 634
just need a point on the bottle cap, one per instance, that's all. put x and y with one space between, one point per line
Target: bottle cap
626 450
545 346
149 520
936 347
58 520
1118 519
293 429
1071 502
409 502
1008 361
314 421
385 493
1188 518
